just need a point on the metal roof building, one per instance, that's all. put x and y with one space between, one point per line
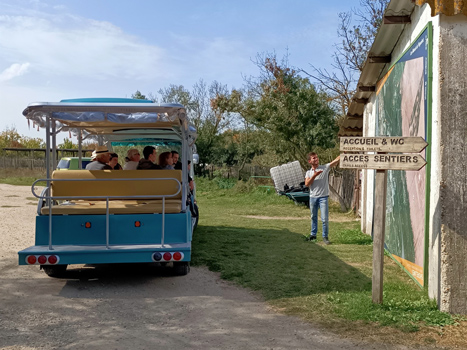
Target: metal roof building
414 83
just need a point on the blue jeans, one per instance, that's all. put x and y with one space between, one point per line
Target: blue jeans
322 204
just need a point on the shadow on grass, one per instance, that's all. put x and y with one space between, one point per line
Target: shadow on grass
277 262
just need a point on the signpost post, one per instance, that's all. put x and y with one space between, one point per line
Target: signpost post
382 161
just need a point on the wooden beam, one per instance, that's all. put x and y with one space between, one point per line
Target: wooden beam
379 59
361 100
355 115
362 88
396 19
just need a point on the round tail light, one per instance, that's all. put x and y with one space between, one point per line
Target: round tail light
157 256
177 256
167 256
31 259
42 259
52 259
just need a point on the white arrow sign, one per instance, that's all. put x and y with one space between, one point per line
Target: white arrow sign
382 161
391 144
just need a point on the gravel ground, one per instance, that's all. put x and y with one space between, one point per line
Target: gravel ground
133 307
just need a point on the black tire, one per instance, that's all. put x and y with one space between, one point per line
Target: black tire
181 268
54 271
195 215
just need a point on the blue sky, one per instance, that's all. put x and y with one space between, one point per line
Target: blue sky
52 50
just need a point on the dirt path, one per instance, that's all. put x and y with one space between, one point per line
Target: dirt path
132 307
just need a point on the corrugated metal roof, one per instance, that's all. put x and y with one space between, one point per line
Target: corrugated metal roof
385 41
445 7
350 132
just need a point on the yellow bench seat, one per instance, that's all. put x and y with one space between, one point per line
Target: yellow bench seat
164 186
115 207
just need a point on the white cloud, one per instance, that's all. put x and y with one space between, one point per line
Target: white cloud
15 70
70 46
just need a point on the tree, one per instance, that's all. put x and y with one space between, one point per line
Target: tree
351 52
10 138
138 96
67 144
209 123
280 101
176 94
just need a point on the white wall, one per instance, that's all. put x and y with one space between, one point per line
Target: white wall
368 181
435 177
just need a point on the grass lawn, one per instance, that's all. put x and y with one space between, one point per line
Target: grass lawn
23 177
257 240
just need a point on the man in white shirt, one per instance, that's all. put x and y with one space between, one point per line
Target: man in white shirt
317 179
100 157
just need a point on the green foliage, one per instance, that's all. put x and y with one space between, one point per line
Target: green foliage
10 138
403 307
176 94
356 236
67 144
224 183
245 186
138 96
297 116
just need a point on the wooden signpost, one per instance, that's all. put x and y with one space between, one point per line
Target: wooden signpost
383 144
381 161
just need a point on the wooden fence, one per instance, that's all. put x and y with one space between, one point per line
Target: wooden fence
347 187
32 158
22 162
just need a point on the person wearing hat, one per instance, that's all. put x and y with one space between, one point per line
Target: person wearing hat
132 159
100 156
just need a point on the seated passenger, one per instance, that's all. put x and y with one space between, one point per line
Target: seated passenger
190 180
113 162
150 156
166 161
100 158
132 159
177 163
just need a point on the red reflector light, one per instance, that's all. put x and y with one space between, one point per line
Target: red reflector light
87 225
137 223
42 259
31 259
53 259
177 256
167 256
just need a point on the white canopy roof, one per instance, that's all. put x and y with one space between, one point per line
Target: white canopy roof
109 117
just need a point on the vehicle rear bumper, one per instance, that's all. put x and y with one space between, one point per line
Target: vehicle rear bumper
101 254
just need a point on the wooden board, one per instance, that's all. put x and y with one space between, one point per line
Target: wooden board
391 144
382 161
379 224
